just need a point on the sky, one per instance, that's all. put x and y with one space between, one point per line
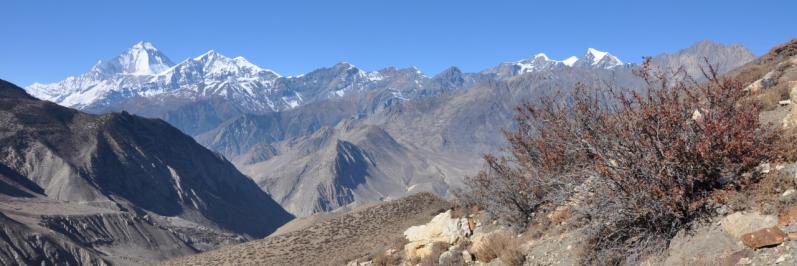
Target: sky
46 41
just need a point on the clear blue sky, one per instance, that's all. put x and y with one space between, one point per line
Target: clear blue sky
47 41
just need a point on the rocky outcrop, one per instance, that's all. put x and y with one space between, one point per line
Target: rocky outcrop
442 228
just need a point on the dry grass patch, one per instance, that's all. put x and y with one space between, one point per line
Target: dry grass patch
393 255
503 245
764 196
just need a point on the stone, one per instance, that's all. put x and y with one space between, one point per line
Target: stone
467 257
788 216
707 245
418 250
764 238
697 116
788 196
793 236
764 168
781 259
740 223
448 258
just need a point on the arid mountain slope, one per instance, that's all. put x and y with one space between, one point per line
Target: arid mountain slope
118 185
330 238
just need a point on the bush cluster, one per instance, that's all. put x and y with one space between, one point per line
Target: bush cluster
653 155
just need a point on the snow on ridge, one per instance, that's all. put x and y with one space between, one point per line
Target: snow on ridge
596 55
570 61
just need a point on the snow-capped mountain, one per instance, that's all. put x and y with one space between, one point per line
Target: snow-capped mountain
142 77
592 58
143 71
598 59
127 70
143 74
142 59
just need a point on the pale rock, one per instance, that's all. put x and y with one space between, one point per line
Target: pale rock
745 261
740 223
781 259
696 115
788 193
467 257
764 168
705 246
443 228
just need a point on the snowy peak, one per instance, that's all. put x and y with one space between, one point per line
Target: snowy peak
141 59
144 46
592 58
598 59
212 64
570 61
595 55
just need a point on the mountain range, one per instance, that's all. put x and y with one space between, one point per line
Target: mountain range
339 135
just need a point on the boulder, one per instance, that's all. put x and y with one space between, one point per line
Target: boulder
443 229
707 245
450 257
764 238
740 223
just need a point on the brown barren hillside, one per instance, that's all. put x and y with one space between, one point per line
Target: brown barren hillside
333 239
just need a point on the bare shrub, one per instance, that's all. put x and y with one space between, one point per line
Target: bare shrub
657 154
503 245
661 154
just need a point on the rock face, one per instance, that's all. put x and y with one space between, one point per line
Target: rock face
118 185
